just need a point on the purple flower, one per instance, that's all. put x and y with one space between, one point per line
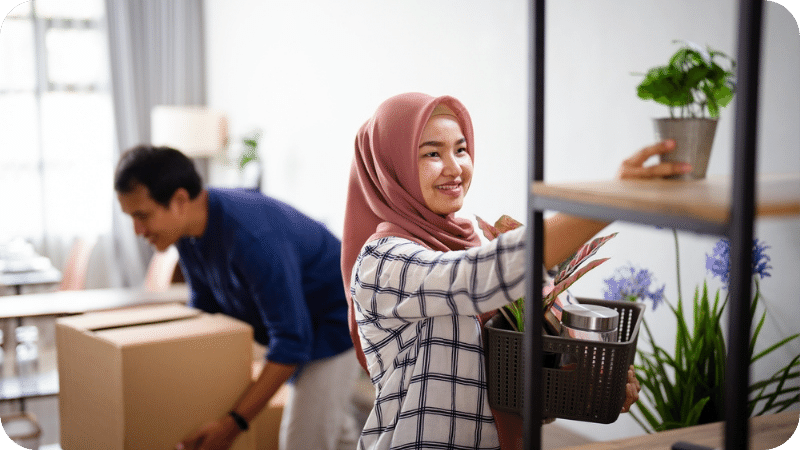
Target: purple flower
631 284
760 259
719 262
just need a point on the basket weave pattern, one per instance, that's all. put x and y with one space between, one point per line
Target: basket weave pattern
592 391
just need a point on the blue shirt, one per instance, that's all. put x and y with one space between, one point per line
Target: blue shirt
263 262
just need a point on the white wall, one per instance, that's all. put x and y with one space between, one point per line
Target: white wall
310 72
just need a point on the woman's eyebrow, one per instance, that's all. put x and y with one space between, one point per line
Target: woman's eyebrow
432 144
440 143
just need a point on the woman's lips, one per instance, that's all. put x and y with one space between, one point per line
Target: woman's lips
450 189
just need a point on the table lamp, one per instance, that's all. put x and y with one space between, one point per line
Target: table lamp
197 131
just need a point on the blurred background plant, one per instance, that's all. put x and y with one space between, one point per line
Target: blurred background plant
250 162
685 387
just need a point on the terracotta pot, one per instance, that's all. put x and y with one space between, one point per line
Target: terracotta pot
693 138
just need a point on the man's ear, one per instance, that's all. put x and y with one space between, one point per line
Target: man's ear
180 200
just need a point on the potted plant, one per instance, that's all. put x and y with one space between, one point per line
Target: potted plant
683 381
695 86
249 163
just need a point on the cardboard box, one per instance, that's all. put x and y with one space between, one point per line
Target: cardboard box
144 378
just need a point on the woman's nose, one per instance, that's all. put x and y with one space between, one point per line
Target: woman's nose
452 167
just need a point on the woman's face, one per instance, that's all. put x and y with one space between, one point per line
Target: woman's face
445 167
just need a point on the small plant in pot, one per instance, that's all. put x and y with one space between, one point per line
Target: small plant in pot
695 88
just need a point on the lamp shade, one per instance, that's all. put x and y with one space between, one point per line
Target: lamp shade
196 131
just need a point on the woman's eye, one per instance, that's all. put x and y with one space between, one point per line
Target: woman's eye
432 154
462 150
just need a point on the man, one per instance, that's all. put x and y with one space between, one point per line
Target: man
261 261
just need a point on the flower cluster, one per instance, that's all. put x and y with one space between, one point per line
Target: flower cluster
631 284
719 262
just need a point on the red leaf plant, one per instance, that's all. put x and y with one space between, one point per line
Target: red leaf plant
568 274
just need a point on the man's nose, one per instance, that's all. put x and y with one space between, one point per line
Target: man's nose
138 228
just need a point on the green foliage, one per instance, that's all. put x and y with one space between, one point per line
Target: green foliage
250 152
691 81
686 387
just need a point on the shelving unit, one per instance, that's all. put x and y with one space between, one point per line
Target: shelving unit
724 206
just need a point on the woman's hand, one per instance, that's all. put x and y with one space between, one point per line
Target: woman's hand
632 389
633 167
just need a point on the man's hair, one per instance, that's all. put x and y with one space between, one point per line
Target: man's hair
162 170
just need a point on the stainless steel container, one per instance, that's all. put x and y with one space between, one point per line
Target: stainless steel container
590 322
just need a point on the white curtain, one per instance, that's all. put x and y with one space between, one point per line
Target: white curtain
156 52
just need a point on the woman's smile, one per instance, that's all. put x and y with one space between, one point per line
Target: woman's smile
453 189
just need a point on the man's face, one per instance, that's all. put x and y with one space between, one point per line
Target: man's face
161 226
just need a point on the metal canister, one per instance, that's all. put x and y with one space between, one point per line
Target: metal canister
590 322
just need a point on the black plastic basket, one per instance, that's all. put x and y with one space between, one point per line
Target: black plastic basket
594 391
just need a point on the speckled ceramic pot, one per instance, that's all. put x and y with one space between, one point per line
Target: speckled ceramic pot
694 139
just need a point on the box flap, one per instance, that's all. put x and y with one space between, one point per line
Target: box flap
129 317
194 327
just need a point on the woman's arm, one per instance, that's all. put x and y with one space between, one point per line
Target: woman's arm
564 235
401 280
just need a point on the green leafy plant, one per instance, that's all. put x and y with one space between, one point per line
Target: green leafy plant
685 387
692 81
568 274
250 152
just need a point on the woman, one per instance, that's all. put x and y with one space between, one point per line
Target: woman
419 277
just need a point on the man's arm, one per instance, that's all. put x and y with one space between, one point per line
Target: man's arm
272 377
221 433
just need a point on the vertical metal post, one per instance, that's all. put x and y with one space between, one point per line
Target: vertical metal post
741 224
532 404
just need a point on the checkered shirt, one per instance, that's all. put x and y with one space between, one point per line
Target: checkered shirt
416 311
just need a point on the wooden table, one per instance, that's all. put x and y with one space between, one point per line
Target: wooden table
766 432
17 280
63 303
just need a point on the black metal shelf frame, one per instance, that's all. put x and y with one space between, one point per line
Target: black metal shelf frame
739 229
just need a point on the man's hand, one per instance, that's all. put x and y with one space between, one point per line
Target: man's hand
632 389
633 167
217 435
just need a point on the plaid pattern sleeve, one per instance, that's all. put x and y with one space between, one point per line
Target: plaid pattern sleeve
416 311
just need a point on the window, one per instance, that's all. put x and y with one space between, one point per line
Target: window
56 121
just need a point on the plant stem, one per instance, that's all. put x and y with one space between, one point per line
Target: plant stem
677 264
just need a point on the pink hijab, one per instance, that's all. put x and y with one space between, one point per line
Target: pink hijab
384 197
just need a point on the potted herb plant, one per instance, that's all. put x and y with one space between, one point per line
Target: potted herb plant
695 87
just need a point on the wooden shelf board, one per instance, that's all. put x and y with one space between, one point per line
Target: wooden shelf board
766 432
707 200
